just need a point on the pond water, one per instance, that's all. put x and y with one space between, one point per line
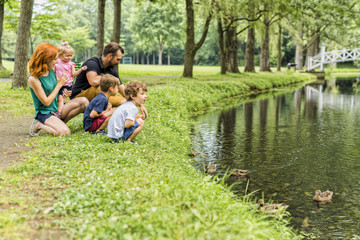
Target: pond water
293 142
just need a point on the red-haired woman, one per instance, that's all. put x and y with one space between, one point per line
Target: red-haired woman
45 88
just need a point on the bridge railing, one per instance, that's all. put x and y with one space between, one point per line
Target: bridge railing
323 57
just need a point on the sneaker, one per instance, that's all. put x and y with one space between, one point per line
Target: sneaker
135 143
32 130
101 132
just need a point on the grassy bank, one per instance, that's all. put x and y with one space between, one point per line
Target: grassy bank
89 188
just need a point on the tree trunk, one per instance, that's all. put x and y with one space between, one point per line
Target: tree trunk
117 25
309 48
2 8
250 43
190 40
100 27
190 47
250 51
168 57
231 48
299 49
147 58
279 51
265 52
317 44
221 47
117 21
154 58
31 43
22 44
161 49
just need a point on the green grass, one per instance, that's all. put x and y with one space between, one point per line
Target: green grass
100 190
135 70
9 65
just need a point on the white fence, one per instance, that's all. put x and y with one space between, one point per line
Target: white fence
331 57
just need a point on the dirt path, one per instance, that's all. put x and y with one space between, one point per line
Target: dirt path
14 131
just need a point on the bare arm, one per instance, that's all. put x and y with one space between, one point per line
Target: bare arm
121 89
35 85
75 73
129 123
94 114
144 111
93 78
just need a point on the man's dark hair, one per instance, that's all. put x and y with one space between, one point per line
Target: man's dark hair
113 48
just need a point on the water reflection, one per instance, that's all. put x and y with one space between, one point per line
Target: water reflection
294 143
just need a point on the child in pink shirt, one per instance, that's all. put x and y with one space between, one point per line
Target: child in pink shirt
67 67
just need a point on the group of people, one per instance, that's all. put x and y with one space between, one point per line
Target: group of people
94 93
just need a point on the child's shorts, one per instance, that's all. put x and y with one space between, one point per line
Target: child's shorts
127 132
69 88
97 123
42 117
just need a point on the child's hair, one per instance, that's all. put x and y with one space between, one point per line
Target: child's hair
133 88
64 46
43 54
107 81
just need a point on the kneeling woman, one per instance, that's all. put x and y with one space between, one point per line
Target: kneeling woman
45 88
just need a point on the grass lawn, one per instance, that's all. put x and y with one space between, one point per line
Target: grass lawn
134 70
87 187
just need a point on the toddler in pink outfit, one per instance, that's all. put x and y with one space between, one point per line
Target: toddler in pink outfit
66 67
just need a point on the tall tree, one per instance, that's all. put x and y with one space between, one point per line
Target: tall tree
117 22
265 47
2 8
22 44
221 46
117 25
100 27
45 24
250 44
278 68
299 47
190 46
155 26
274 11
235 13
231 46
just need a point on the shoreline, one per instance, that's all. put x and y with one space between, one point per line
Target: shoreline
123 189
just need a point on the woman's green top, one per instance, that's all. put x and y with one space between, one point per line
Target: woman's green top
48 83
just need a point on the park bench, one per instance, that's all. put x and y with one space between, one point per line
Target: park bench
77 65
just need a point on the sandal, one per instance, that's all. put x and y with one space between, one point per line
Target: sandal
32 130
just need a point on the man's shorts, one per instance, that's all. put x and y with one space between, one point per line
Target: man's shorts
91 93
97 123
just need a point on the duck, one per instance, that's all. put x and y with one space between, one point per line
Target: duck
210 168
271 208
238 172
323 197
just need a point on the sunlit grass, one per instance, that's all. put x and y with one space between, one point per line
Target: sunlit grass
104 190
